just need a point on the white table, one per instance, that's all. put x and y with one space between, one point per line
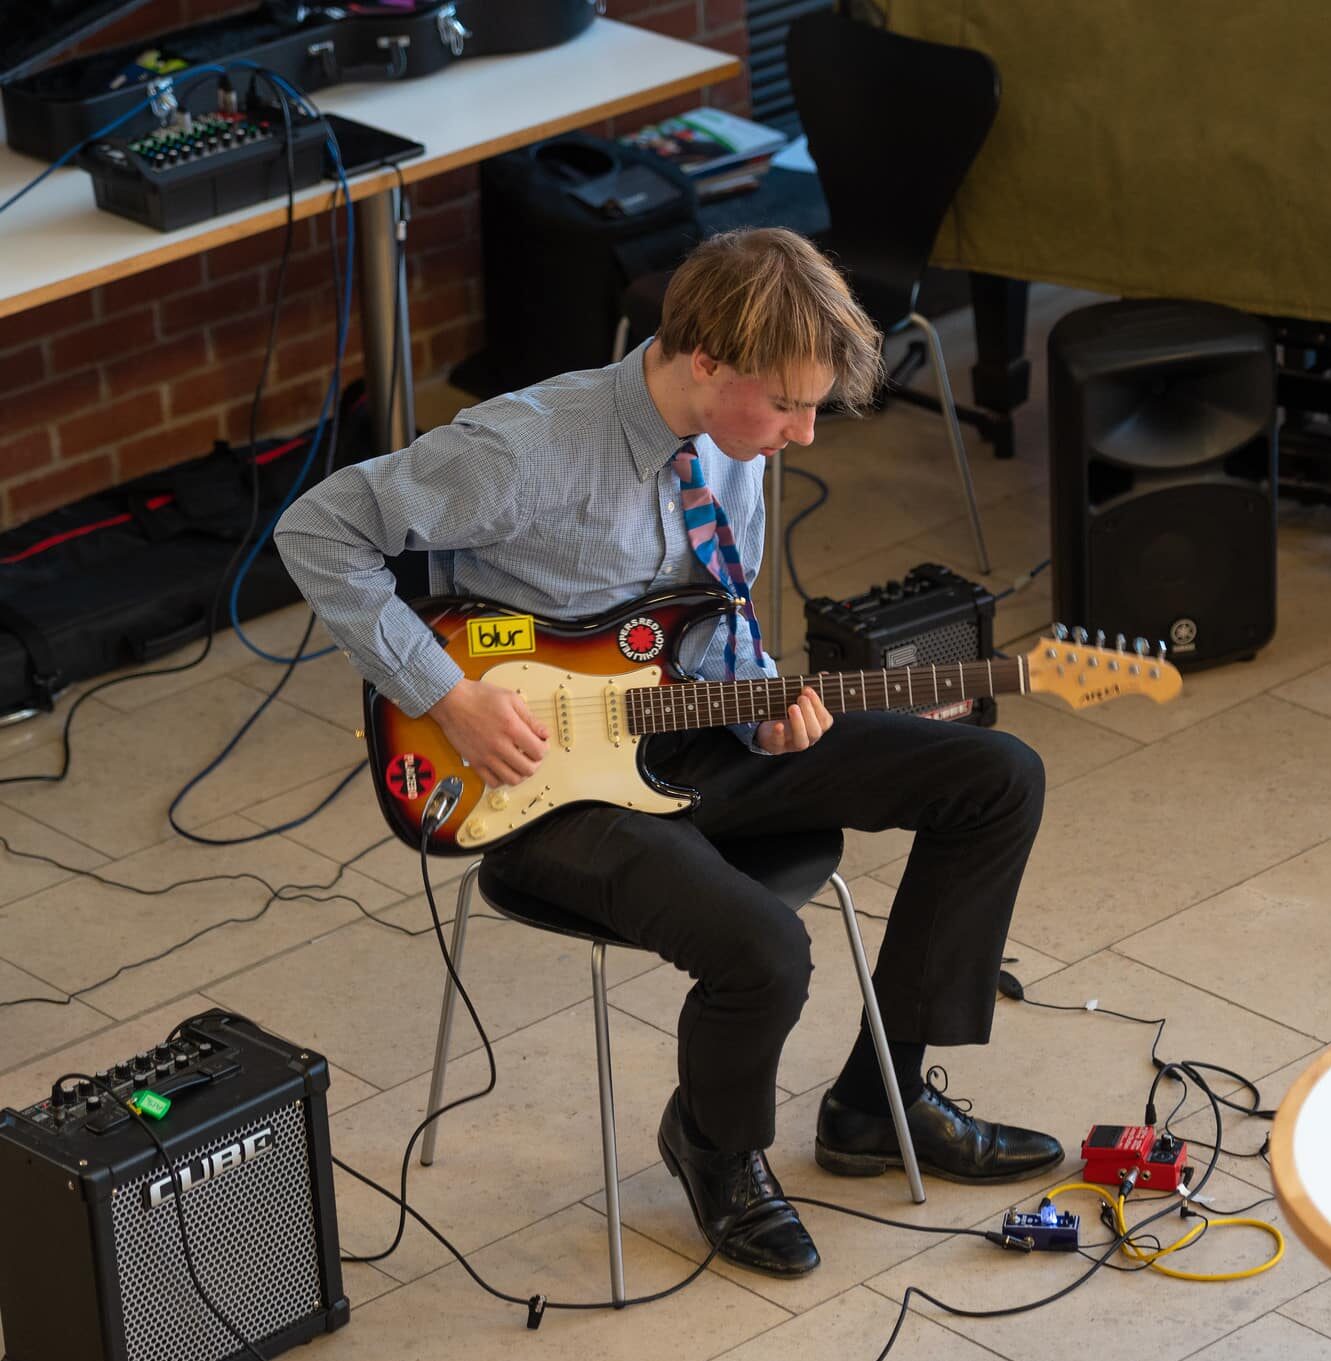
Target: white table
55 242
1301 1156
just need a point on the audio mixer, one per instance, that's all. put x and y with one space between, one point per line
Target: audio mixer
204 165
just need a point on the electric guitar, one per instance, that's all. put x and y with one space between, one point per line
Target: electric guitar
603 684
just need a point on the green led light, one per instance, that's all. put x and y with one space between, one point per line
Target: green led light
150 1103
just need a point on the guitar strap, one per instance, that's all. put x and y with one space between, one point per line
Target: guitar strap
713 543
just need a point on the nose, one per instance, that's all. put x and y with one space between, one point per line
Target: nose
800 426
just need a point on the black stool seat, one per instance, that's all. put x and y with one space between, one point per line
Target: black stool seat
792 867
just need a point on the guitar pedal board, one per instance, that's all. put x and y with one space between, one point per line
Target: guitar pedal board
201 166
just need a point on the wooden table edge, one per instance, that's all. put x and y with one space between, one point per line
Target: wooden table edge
363 187
1311 1225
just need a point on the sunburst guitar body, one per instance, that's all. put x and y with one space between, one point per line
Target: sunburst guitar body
604 684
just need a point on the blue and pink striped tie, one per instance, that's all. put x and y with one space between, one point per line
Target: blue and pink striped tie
713 543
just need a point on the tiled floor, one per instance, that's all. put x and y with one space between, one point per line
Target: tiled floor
1183 870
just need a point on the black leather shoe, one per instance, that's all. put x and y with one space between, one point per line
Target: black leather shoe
949 1143
738 1189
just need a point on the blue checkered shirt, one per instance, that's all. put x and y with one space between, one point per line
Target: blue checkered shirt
555 500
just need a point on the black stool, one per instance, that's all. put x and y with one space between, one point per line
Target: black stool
792 867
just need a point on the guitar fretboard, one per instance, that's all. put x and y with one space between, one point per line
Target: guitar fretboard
713 704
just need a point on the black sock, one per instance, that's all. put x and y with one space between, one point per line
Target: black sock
861 1083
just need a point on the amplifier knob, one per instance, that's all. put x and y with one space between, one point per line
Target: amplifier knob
94 1100
85 1090
163 1069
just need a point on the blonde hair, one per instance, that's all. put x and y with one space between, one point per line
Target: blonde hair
767 301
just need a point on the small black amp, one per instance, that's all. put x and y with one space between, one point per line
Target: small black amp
933 615
91 1262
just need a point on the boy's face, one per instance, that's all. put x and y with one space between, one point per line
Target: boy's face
752 417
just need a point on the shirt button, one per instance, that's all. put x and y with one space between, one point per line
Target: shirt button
667 571
670 505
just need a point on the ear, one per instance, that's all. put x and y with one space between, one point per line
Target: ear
702 367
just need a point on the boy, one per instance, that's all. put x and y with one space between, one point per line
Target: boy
571 497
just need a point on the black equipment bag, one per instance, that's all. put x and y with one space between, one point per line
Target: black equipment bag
566 224
128 575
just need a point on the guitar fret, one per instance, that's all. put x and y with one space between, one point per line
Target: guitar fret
961 679
934 669
989 663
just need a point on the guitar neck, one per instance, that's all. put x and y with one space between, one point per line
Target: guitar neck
714 704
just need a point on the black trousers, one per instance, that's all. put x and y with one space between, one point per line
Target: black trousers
972 796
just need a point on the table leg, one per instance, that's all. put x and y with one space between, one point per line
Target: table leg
1001 377
383 299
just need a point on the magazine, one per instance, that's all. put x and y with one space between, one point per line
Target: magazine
707 140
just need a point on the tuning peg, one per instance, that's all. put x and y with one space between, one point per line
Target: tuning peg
1162 650
1120 642
1140 646
1099 637
1080 635
1061 632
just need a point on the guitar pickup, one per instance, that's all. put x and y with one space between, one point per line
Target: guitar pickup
614 714
564 717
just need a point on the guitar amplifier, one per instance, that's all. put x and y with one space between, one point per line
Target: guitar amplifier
932 615
91 1262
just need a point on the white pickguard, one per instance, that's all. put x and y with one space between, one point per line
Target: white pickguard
591 755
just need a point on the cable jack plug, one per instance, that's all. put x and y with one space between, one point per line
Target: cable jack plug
1007 1240
535 1311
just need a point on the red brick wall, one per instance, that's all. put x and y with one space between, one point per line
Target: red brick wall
138 374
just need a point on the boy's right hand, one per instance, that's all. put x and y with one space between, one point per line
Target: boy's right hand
492 730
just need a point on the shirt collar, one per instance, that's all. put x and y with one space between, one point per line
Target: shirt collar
651 441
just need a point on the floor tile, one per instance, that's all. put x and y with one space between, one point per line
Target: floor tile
563 1257
38 738
75 940
369 997
1163 828
1257 943
278 633
529 1149
20 875
1151 1314
284 748
328 687
350 825
857 1323
1271 1338
1313 1309
35 1027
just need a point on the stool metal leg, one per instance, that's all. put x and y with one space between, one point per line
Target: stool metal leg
608 1145
620 347
954 433
446 1012
879 1040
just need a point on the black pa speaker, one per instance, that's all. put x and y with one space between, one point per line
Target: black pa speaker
1162 475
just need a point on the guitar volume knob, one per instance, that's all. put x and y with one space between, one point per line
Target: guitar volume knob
498 799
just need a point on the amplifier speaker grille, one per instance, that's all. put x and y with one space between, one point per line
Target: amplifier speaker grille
253 1237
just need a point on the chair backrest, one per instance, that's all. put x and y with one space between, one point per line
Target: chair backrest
894 124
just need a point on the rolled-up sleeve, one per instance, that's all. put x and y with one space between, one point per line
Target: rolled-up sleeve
457 487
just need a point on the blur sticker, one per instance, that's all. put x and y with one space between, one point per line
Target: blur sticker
501 634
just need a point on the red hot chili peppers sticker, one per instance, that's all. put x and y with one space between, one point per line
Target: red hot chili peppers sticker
409 776
641 639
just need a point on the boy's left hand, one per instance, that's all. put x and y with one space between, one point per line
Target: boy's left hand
805 722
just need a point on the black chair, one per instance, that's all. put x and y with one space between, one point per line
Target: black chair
894 124
792 867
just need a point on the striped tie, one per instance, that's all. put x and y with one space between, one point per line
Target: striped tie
712 538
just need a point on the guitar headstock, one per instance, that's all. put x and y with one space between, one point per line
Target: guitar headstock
1084 673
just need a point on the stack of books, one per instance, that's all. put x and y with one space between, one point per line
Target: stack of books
722 153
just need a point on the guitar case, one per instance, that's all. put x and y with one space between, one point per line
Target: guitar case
311 46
